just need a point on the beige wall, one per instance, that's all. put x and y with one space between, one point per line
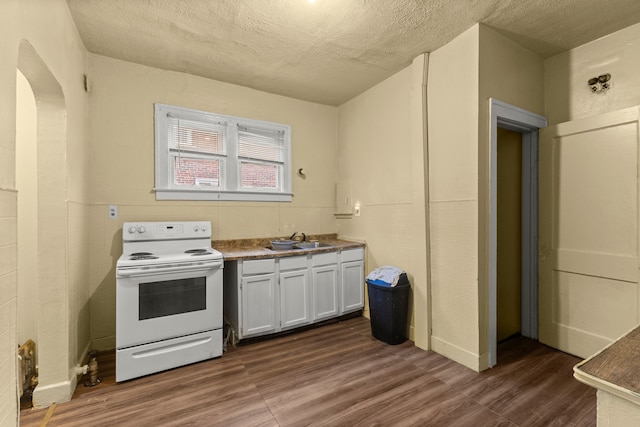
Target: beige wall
453 197
8 216
477 65
8 293
567 94
381 153
39 37
122 101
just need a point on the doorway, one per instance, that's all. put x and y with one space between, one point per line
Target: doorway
48 299
509 229
27 186
515 123
27 228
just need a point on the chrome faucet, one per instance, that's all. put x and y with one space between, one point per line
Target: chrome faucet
295 236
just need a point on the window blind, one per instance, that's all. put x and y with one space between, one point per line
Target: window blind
196 136
261 144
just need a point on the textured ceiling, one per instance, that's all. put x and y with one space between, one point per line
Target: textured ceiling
327 51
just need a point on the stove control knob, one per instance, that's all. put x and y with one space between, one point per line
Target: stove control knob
196 228
141 229
204 227
132 229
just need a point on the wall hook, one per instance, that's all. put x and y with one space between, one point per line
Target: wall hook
301 173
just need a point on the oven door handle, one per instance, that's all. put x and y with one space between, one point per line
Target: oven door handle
149 270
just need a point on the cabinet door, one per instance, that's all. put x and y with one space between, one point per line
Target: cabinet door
325 291
294 297
258 308
352 275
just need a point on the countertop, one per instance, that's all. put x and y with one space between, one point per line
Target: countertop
615 369
260 248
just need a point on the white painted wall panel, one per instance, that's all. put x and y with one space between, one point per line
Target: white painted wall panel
596 190
609 318
454 269
588 266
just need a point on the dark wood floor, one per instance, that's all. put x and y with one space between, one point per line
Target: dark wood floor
337 375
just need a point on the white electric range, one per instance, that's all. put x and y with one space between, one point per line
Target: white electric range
168 297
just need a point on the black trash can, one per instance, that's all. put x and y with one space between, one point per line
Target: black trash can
388 309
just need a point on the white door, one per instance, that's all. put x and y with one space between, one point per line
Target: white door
588 244
294 297
258 308
325 291
352 275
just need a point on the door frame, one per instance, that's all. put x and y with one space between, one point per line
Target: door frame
513 118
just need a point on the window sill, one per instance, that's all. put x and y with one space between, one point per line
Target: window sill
245 196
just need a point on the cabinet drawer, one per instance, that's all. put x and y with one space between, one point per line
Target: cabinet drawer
324 259
258 266
352 255
293 263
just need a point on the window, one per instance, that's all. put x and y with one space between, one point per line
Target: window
207 156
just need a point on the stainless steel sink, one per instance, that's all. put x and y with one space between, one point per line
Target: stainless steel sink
312 245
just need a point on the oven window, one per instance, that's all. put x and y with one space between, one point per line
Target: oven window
166 298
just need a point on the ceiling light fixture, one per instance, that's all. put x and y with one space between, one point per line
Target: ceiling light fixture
600 84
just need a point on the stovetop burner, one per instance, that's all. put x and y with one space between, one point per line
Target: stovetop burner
135 257
139 256
197 251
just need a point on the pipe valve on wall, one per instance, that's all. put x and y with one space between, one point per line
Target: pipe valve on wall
93 370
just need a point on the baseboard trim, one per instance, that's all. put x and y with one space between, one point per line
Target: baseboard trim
104 343
46 395
572 340
457 354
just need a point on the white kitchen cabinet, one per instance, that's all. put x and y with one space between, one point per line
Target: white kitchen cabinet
294 292
265 296
352 280
249 294
258 311
258 289
324 281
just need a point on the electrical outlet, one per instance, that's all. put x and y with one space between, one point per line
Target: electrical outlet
113 211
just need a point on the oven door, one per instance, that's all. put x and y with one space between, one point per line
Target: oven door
168 304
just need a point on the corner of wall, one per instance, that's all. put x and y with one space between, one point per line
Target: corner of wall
471 360
46 395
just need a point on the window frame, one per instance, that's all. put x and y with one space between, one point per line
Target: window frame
230 164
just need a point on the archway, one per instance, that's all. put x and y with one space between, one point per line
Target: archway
50 260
